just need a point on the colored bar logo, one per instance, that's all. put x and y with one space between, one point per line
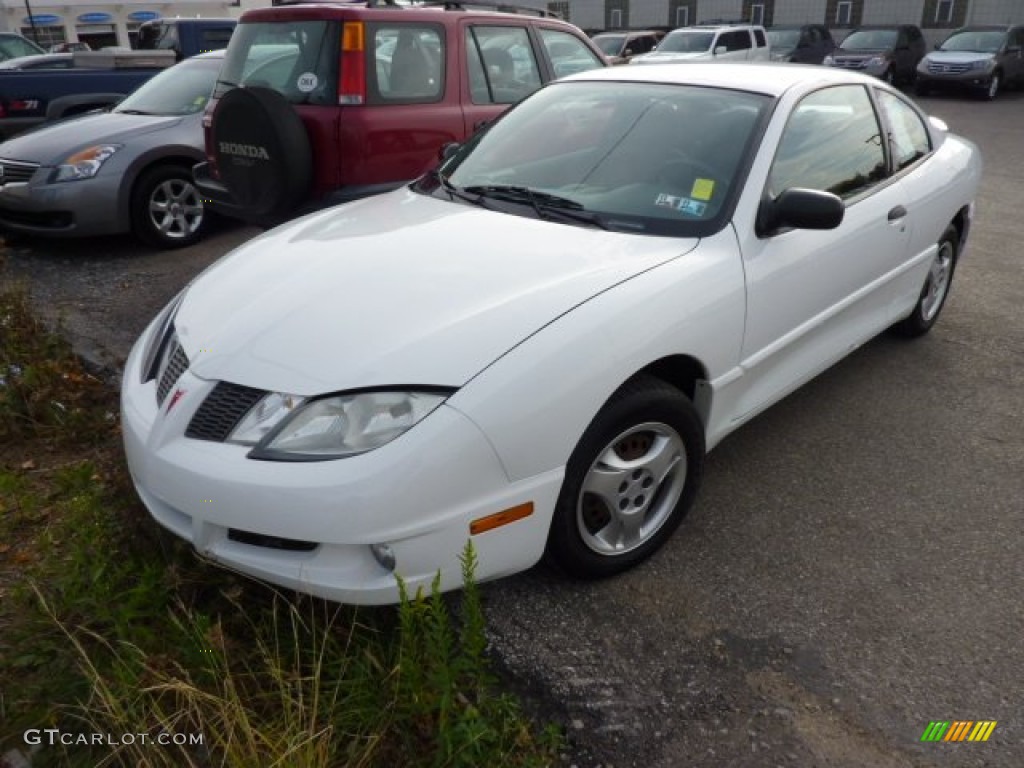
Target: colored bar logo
958 730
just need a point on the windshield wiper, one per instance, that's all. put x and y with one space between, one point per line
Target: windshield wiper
545 204
132 112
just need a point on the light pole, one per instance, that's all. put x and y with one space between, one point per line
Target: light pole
32 23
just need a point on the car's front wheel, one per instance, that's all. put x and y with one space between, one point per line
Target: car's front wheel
935 290
630 480
167 208
994 86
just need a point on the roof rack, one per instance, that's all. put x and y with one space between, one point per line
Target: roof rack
448 5
466 5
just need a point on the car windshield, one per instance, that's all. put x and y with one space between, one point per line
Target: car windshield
686 42
14 45
183 89
871 40
978 41
784 39
610 45
648 158
298 59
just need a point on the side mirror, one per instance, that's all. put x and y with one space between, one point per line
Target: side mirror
720 50
628 52
800 209
448 149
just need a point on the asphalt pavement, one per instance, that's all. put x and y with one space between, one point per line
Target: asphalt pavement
853 567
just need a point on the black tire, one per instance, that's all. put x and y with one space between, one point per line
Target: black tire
936 288
890 76
262 151
646 424
167 208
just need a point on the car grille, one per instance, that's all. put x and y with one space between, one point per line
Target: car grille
851 63
222 410
16 171
947 69
175 365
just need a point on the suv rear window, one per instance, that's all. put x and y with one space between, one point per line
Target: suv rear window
295 58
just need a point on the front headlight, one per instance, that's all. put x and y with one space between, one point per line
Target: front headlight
981 64
290 429
878 61
84 164
828 61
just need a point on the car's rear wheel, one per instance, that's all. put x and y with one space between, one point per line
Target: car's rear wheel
167 208
936 288
629 482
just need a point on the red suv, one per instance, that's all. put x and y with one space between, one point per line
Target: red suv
321 103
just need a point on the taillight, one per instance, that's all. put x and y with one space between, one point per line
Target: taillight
352 80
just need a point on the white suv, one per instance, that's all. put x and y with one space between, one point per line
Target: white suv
720 42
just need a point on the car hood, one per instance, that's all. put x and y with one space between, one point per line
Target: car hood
657 57
397 289
958 57
51 143
861 53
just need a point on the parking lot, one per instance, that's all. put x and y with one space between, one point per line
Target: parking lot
852 569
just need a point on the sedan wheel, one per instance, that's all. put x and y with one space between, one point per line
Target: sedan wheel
630 480
935 290
167 209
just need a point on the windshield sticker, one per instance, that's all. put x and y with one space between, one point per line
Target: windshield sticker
691 207
668 201
307 82
703 189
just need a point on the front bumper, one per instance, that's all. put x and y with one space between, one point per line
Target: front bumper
308 526
66 209
972 80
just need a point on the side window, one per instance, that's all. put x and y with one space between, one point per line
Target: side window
759 38
214 38
501 63
408 63
908 137
832 142
734 41
568 55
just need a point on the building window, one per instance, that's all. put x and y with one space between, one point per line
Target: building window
944 12
757 13
561 8
683 16
45 37
844 13
615 18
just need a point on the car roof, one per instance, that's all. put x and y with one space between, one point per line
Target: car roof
771 79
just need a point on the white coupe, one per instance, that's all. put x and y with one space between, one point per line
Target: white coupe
533 347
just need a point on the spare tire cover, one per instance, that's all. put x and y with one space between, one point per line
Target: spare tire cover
262 150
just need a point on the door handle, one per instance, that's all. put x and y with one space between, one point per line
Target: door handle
897 213
480 124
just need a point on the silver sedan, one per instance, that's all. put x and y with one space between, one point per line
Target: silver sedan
127 170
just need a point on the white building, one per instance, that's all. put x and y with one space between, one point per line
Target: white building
100 24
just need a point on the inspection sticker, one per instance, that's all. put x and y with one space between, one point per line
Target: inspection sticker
702 189
691 207
307 82
668 201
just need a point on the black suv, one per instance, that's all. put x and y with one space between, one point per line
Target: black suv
888 52
801 44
